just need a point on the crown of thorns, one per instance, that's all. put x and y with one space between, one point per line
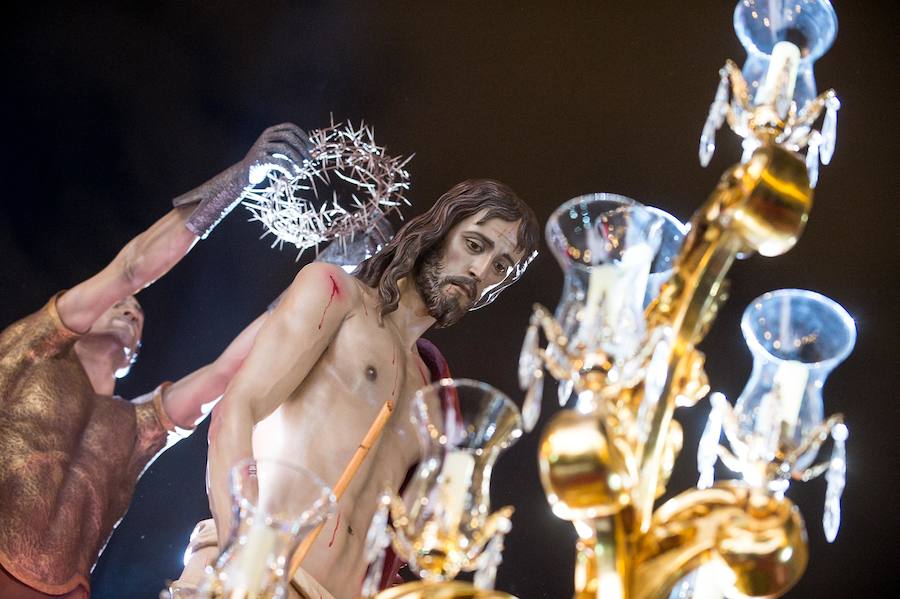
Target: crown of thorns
287 209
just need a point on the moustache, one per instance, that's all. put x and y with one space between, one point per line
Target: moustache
467 285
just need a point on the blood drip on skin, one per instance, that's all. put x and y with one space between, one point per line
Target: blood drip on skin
335 290
334 532
396 372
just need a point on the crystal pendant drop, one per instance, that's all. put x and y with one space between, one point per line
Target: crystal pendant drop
564 391
531 407
829 129
377 541
750 144
713 121
486 575
707 143
835 479
708 448
812 159
529 361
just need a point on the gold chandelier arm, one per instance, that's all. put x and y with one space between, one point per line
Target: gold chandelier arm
761 205
682 538
602 562
697 276
761 539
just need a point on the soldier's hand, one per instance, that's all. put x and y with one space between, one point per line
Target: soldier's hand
281 147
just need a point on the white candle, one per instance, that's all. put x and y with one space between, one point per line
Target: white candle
602 279
789 385
455 480
249 567
777 89
613 285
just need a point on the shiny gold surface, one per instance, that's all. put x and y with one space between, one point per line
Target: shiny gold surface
583 475
440 590
604 470
760 206
759 538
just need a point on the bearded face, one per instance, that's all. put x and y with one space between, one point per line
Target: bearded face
447 297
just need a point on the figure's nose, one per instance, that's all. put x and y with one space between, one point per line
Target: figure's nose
478 269
130 315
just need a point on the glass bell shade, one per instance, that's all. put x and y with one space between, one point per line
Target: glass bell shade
463 427
274 506
615 254
797 338
671 239
810 25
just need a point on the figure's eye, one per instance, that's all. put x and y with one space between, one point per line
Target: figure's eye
473 245
500 268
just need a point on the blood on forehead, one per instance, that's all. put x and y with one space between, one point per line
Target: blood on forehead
502 232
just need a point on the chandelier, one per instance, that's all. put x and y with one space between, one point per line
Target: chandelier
622 345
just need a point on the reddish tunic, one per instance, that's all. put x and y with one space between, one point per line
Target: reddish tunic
69 458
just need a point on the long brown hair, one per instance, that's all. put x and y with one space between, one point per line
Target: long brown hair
400 257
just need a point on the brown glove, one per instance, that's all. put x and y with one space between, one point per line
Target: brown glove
281 147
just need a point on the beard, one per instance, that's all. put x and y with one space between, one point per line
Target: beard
444 307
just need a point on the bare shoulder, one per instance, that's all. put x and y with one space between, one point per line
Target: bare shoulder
323 282
332 277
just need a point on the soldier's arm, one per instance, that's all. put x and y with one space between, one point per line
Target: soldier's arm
293 338
187 400
152 253
143 260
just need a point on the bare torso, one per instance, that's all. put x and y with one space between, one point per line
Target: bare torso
322 423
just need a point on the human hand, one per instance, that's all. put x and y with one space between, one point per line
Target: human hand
280 147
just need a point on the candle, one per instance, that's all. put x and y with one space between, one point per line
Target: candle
455 480
789 385
247 571
603 277
612 286
777 90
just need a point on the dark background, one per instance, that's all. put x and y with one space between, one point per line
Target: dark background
110 111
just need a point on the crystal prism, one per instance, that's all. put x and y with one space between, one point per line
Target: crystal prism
829 129
707 143
486 575
750 144
531 407
377 532
713 121
835 479
564 391
377 541
708 449
812 159
529 360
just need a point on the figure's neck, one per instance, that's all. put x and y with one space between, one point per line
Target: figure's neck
101 358
411 318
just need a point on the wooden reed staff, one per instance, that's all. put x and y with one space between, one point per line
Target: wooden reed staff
346 477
